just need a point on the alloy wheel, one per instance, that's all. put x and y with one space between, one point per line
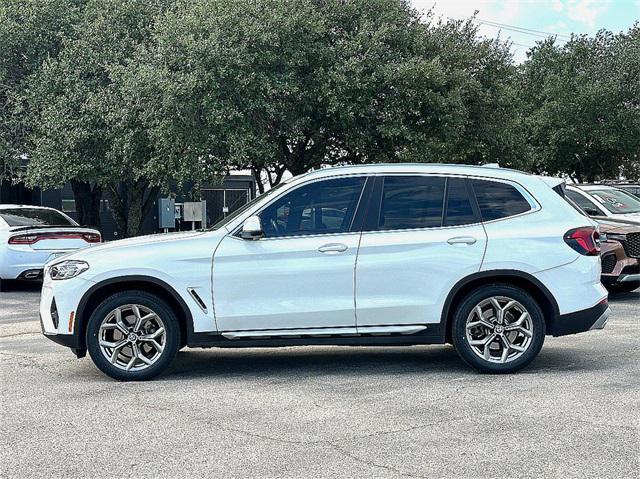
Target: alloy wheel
132 337
499 329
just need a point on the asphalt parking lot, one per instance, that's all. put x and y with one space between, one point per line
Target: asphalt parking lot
322 411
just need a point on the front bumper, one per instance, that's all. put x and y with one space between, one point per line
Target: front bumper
58 306
592 318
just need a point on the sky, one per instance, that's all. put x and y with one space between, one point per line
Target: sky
561 17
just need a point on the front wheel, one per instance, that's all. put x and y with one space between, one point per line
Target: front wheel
133 336
498 329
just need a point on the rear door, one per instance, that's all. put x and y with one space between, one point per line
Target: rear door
421 236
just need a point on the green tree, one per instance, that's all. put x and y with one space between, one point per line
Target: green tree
30 32
89 124
582 105
280 86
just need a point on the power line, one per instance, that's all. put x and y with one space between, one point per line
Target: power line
527 31
522 45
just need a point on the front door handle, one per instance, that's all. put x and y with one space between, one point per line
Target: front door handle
469 240
333 248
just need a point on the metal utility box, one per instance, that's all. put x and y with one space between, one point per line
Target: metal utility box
166 213
195 211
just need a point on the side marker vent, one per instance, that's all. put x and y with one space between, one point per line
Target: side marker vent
197 299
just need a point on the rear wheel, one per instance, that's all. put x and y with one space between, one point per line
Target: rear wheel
498 329
133 335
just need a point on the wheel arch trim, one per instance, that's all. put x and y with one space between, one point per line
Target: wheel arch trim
497 276
82 319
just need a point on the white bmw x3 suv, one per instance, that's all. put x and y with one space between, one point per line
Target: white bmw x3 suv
488 259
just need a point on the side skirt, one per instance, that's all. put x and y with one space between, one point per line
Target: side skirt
430 335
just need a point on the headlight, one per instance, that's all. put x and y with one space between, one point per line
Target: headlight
67 269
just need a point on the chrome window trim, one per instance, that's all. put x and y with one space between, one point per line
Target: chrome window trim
533 203
236 230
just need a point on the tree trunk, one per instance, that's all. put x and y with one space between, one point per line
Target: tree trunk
87 198
130 203
256 172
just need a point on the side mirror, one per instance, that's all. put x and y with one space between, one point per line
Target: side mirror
252 228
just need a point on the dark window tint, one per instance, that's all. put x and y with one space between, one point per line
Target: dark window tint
411 202
458 210
586 204
33 217
322 207
498 200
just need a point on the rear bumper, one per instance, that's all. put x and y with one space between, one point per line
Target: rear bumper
592 318
15 262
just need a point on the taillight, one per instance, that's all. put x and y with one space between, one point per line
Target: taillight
23 239
585 240
92 237
34 238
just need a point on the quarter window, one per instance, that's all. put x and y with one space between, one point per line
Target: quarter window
498 200
322 207
411 202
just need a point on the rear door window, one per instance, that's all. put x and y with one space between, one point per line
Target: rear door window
33 217
410 202
498 200
458 209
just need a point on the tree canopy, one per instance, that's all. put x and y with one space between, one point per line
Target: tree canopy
288 86
582 105
123 99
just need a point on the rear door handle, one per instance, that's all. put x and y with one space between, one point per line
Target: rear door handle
462 240
333 248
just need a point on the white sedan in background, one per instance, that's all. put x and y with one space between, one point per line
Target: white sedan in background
606 202
32 235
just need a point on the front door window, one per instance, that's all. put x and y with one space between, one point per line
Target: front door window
322 207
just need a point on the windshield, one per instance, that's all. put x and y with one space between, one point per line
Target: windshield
34 217
233 215
616 201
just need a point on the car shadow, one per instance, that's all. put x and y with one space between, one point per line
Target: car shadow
18 286
305 361
619 297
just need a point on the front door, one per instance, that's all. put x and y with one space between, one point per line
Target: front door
300 275
423 238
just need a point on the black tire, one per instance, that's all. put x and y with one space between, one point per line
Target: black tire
466 351
147 300
3 285
626 287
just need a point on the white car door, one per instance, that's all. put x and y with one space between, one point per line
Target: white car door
300 274
414 248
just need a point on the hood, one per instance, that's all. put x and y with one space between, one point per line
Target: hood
618 225
113 247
